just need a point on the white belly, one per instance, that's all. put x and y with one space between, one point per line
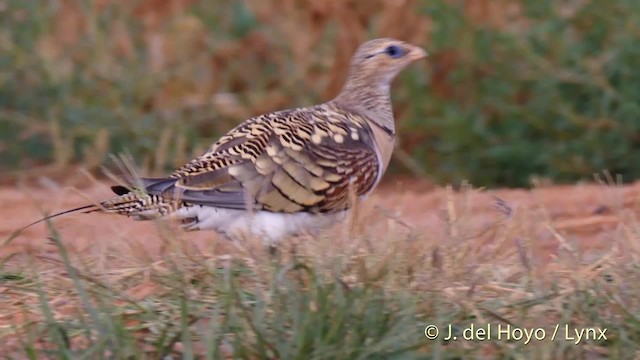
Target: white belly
269 226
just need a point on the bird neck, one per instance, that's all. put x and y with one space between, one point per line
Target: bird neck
369 100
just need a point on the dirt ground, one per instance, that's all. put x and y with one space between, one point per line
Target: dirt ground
586 219
586 216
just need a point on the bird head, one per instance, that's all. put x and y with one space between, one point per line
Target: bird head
378 61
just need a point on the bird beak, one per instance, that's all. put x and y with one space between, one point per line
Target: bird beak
417 53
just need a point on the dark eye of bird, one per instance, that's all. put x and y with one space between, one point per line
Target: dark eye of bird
394 51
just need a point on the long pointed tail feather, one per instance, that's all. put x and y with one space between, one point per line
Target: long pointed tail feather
85 209
130 203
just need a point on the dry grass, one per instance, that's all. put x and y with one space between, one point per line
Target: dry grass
545 87
150 75
147 68
365 290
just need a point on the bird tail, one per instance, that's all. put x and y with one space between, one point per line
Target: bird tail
85 209
141 205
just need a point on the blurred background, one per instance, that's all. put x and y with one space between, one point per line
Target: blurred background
513 90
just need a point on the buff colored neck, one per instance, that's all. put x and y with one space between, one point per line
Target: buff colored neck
368 98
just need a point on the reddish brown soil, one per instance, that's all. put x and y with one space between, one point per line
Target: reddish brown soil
585 215
587 219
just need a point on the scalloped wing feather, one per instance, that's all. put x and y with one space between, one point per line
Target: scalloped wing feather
289 161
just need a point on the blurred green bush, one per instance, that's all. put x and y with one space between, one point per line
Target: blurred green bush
513 88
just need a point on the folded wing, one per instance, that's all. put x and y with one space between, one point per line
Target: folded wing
289 161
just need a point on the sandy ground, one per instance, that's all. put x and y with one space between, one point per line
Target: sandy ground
586 219
587 216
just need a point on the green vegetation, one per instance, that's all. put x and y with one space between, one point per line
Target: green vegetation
511 90
557 97
369 297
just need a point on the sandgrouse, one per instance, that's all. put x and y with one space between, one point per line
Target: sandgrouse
284 172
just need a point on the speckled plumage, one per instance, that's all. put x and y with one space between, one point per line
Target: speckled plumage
288 171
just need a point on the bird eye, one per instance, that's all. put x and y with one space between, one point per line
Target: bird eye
394 51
